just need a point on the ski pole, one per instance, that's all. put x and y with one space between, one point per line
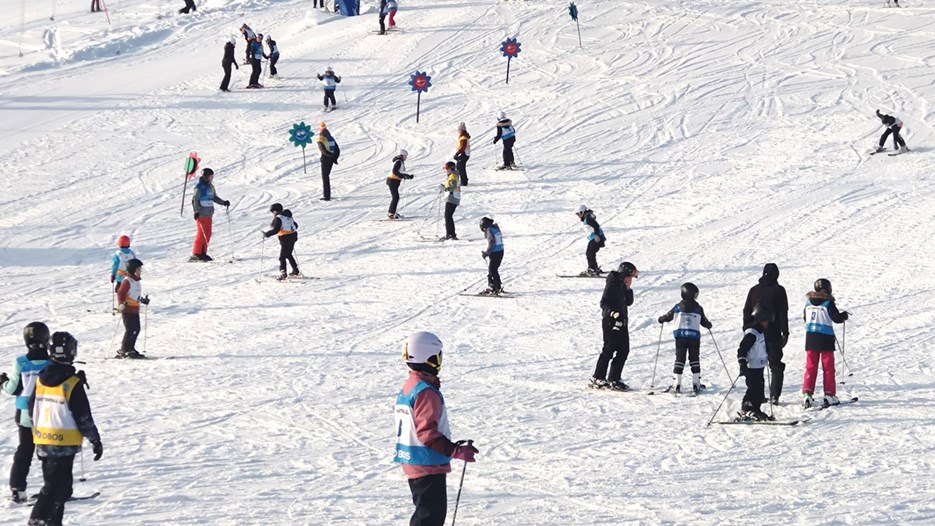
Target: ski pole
262 253
82 479
726 370
516 154
230 231
769 382
850 371
722 401
454 517
658 346
145 325
113 298
114 336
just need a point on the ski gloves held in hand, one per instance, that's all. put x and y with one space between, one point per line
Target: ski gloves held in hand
464 450
98 449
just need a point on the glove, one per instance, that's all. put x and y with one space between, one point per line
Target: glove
785 339
81 376
121 307
196 216
3 378
743 366
113 279
707 325
464 450
98 449
235 64
845 315
441 188
878 113
483 253
407 176
613 314
495 141
661 320
145 300
227 203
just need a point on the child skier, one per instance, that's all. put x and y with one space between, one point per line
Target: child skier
752 357
463 152
893 125
22 384
129 298
118 267
452 185
330 151
203 202
329 82
288 231
820 313
506 132
423 437
61 416
687 336
249 37
617 297
273 57
494 255
596 239
391 6
394 179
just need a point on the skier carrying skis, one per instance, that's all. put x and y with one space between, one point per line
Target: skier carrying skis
329 82
203 202
118 266
752 358
463 153
22 384
452 185
288 231
820 313
330 151
256 59
129 298
506 132
596 239
227 62
893 125
423 437
494 255
273 57
617 297
687 335
61 416
770 293
395 179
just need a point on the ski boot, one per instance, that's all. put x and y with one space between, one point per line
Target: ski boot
295 272
618 385
282 276
808 401
598 383
830 400
19 495
879 149
904 149
698 388
393 216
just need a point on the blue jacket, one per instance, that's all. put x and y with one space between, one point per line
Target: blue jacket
22 384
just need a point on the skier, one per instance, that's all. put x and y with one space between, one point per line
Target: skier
227 62
329 82
22 384
752 358
250 37
287 229
189 7
893 125
687 336
452 185
506 132
463 153
494 255
391 7
256 58
617 297
273 57
394 179
118 266
95 6
820 312
596 239
61 416
129 298
423 437
771 294
382 11
203 202
330 151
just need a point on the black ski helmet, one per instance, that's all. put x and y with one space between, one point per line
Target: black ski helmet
762 313
689 292
206 172
823 285
133 265
451 166
64 347
276 207
485 223
628 269
36 336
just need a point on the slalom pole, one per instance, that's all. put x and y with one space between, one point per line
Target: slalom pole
726 370
658 346
454 516
722 401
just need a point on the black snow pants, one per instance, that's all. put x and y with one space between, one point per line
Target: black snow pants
56 489
286 247
430 495
450 220
394 194
22 459
753 398
131 324
616 346
493 270
462 160
897 138
591 253
326 166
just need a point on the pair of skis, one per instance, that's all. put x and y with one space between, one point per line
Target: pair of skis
741 419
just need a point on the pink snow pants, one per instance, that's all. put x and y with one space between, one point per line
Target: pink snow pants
811 372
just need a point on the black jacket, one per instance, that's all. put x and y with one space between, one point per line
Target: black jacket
229 56
771 294
617 296
888 120
397 164
55 374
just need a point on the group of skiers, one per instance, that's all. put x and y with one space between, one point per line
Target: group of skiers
255 54
387 9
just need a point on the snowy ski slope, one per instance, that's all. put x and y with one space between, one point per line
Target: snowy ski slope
710 138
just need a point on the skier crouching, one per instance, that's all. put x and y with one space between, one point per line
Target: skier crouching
288 231
893 125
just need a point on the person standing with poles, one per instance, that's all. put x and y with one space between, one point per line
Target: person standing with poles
288 231
617 297
226 64
820 314
769 293
129 298
494 255
273 57
203 202
752 358
506 132
423 437
687 335
463 152
330 151
329 83
396 177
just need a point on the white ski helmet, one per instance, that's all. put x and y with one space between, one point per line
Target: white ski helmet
403 152
581 209
329 70
423 348
502 115
462 127
233 40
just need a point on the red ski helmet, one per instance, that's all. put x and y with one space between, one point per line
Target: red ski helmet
123 241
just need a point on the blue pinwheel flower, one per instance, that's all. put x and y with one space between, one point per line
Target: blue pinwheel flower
420 82
510 48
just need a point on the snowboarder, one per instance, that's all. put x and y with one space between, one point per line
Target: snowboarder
423 437
752 358
687 335
596 239
452 185
256 58
506 132
494 255
189 7
250 37
820 312
118 266
893 125
129 298
771 294
463 153
203 202
330 151
273 57
394 179
61 416
617 297
227 62
329 83
22 384
287 229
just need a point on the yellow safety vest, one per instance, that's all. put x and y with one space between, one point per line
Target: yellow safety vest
53 423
